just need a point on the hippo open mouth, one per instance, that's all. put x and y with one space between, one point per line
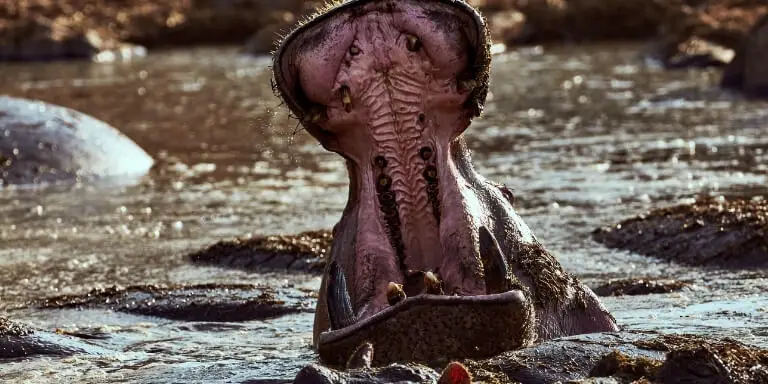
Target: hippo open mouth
429 259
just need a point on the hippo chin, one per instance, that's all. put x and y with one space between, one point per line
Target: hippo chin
430 260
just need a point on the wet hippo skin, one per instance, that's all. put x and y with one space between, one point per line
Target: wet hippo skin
46 143
430 259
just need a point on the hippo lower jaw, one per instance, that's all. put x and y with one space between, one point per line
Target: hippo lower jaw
391 86
428 328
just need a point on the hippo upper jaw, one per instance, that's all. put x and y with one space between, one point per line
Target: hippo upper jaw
391 86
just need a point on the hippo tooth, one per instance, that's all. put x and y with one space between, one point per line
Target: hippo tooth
497 279
395 293
432 285
339 302
455 373
362 357
413 43
346 98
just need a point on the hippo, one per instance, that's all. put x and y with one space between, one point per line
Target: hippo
43 143
429 260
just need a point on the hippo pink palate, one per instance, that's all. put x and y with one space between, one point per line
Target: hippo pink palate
429 259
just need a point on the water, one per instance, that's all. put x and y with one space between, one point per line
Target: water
586 136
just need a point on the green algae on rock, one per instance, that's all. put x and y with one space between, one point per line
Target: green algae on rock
727 234
302 252
205 302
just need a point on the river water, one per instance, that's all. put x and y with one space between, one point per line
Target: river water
586 136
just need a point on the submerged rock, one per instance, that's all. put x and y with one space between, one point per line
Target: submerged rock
17 340
208 302
748 71
44 143
634 287
304 252
596 358
729 234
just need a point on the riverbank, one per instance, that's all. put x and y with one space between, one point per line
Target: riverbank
44 29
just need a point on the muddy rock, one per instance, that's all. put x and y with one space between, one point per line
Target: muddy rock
43 143
634 287
748 72
396 373
625 357
693 359
579 20
17 341
209 302
693 52
729 234
42 29
41 38
304 252
698 33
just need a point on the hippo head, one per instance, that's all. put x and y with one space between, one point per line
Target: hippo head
429 259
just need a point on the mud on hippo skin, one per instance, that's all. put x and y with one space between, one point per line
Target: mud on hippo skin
391 86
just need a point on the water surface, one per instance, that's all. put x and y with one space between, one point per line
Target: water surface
586 136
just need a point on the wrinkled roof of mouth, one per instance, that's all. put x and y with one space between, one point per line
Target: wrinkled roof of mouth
317 30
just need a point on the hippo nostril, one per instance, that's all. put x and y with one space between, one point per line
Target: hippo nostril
346 98
422 117
425 153
354 51
413 43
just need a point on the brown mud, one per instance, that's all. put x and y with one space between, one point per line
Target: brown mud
709 232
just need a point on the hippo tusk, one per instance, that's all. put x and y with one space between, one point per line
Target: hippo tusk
339 302
497 278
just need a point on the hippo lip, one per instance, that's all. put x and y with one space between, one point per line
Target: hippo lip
433 327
